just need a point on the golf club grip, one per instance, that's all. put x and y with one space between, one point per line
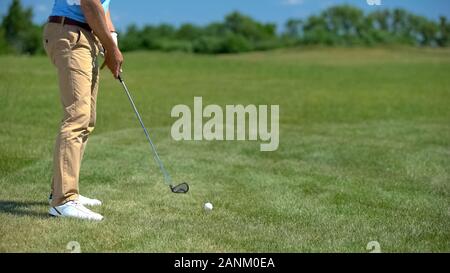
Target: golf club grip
167 177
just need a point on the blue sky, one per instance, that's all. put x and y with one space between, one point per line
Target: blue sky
201 12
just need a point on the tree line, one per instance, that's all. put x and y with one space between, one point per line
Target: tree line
342 25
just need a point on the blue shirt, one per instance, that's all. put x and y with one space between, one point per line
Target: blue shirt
72 9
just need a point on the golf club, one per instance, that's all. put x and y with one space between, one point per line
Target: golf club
181 188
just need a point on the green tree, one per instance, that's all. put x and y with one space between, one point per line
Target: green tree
4 47
248 28
20 32
131 40
215 29
235 43
380 19
444 32
378 27
151 37
344 24
294 28
401 27
208 45
165 31
188 32
424 30
316 31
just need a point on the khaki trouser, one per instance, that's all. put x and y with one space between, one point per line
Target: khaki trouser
73 51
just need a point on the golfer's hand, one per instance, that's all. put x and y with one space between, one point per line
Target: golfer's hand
113 60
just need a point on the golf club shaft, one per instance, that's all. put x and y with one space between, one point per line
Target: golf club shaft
167 177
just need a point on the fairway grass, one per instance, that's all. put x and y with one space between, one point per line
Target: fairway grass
364 155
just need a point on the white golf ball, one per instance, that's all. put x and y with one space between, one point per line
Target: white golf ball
208 206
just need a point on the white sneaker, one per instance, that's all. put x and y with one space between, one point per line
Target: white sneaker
83 200
74 209
88 201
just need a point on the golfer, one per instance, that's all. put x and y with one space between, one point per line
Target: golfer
76 32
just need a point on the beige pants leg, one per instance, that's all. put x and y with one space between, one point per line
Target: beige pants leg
73 51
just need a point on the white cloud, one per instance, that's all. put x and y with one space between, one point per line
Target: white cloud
292 2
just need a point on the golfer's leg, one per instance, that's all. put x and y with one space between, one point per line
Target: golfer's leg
74 64
94 90
93 114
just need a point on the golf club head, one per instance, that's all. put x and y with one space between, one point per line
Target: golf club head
181 188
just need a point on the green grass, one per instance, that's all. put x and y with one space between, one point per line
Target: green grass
364 155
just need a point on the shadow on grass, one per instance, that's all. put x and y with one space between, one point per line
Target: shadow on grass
23 208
